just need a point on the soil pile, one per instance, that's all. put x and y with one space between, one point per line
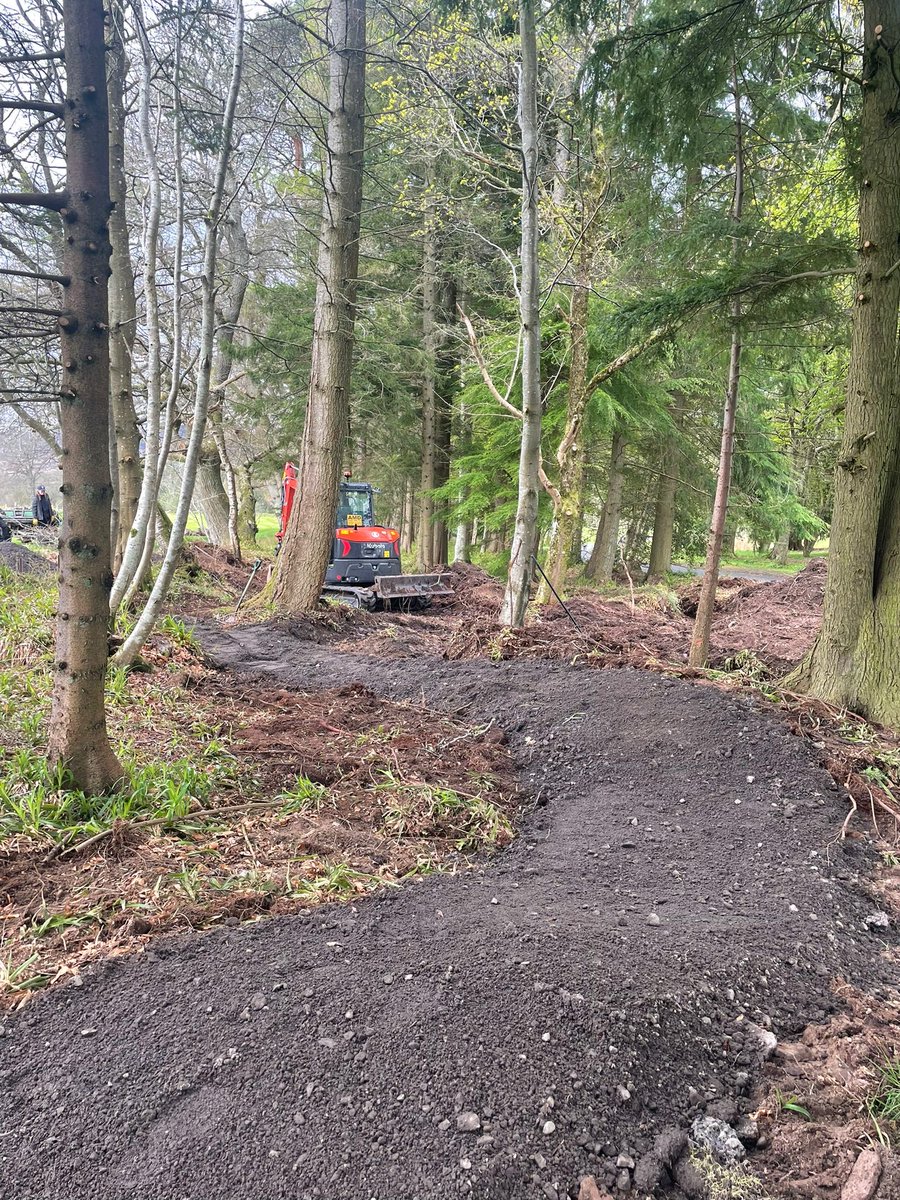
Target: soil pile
24 561
497 1034
475 592
776 621
222 565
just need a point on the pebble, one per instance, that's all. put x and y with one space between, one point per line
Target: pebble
878 920
88 1032
653 919
468 1122
548 1127
625 1161
258 1000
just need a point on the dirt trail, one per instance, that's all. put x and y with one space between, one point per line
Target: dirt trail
589 987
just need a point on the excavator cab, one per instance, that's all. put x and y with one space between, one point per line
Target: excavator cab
365 566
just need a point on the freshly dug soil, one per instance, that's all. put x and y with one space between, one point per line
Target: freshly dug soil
497 1034
776 621
24 561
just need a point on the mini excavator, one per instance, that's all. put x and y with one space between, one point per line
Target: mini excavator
365 569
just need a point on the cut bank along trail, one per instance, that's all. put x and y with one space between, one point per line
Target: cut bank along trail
496 1034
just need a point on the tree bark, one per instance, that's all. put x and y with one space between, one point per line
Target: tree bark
570 453
447 363
525 533
144 625
210 497
135 553
78 736
603 556
667 489
247 527
855 660
425 523
122 305
306 550
699 650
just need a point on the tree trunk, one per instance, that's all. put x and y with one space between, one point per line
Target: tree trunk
447 362
462 551
570 454
144 625
247 527
407 533
210 497
855 660
782 546
78 736
122 307
425 523
664 520
307 544
525 534
603 556
135 554
699 651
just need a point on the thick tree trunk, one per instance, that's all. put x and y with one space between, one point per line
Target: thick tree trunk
122 307
856 658
210 496
667 489
248 530
782 546
525 534
699 651
78 737
603 556
462 542
307 544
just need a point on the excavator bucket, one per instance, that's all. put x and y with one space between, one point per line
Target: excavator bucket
410 587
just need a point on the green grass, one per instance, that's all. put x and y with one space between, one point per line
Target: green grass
885 1103
749 560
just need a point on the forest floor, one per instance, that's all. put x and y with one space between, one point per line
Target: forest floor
683 885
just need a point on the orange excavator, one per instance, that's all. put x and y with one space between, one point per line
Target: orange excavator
365 568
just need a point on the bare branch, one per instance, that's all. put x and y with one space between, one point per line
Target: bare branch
8 60
32 106
482 366
63 279
55 201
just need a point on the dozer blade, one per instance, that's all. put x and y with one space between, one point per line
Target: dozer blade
404 587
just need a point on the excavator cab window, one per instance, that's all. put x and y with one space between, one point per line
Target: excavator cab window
355 506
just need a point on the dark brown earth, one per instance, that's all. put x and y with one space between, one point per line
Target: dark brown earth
680 879
23 561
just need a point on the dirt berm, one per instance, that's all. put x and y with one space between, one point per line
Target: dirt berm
496 1034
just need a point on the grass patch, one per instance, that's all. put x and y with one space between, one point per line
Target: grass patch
884 1104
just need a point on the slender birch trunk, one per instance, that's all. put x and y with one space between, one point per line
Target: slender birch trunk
425 523
144 625
525 534
142 527
699 651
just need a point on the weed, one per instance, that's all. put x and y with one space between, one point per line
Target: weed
423 810
17 978
885 1102
732 1182
791 1104
178 632
334 881
305 796
43 924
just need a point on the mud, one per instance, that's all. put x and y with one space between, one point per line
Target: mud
23 561
679 881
